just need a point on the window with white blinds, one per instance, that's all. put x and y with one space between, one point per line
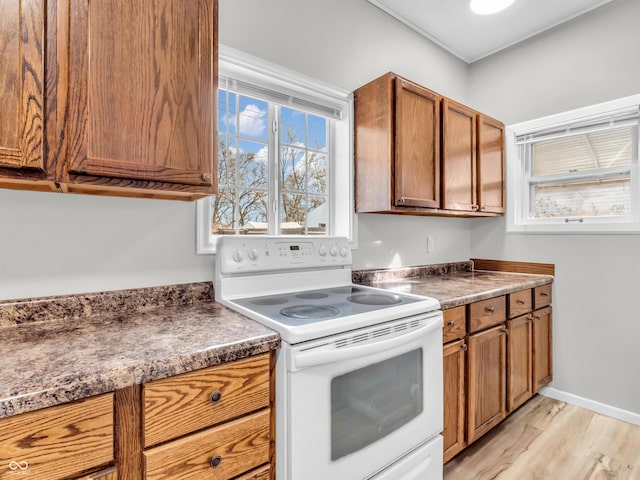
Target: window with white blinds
577 171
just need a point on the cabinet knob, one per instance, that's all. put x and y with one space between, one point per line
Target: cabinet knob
491 309
536 317
207 177
215 397
215 461
451 323
401 199
521 302
474 207
464 347
544 294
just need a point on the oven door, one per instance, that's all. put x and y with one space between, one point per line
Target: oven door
358 402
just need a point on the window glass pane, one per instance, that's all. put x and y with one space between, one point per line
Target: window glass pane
317 215
252 211
582 199
293 210
612 148
370 403
317 133
227 112
226 161
316 172
253 118
292 127
222 212
253 164
292 169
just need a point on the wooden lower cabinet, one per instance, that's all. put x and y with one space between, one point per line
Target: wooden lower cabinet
218 453
486 381
108 474
454 398
519 361
60 442
542 348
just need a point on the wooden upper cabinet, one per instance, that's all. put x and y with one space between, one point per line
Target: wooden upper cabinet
417 145
418 153
458 157
22 108
397 146
142 97
490 164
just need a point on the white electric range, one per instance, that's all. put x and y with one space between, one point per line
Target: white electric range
359 374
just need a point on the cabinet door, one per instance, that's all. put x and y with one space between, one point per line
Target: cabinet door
542 348
458 157
490 165
21 83
454 399
417 149
486 359
519 355
142 85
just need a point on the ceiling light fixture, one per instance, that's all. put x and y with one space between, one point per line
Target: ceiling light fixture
488 7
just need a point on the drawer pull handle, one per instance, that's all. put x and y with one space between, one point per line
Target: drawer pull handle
491 309
215 397
215 461
451 323
13 465
521 302
464 347
544 294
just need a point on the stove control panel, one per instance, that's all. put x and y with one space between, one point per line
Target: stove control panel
258 254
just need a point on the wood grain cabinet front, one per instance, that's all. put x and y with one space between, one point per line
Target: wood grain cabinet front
22 96
109 98
214 423
397 143
419 153
60 442
519 361
487 367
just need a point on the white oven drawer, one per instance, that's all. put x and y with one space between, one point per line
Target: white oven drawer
423 463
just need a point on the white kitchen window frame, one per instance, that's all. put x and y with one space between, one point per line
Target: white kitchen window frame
520 180
303 92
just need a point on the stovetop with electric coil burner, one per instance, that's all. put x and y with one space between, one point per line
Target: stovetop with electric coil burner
301 287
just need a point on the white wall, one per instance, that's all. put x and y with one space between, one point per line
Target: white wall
592 59
53 243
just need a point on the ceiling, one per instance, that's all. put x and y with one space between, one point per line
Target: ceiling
452 25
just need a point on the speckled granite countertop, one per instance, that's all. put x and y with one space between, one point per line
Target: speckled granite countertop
451 284
60 349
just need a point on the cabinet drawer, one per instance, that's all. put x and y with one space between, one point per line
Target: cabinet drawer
260 473
454 324
519 303
542 296
183 404
238 446
487 313
58 442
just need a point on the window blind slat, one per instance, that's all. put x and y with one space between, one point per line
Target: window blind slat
324 109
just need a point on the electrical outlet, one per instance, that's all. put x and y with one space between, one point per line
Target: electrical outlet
430 244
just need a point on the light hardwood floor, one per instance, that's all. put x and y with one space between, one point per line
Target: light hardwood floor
550 440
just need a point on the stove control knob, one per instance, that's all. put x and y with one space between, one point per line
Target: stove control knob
253 255
237 256
333 250
343 252
322 250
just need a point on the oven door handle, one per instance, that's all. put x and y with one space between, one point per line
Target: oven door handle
331 354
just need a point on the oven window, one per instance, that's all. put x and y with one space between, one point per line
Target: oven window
370 403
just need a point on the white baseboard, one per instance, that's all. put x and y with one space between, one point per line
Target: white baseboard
592 405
